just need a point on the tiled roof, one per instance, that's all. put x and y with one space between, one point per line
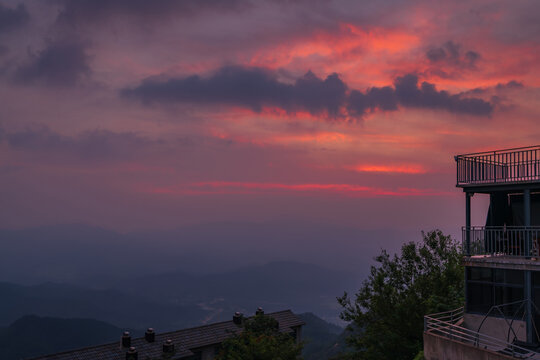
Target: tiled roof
184 341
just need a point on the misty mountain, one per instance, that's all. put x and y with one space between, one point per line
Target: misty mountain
274 286
112 306
97 257
178 299
322 340
173 300
67 253
32 336
215 268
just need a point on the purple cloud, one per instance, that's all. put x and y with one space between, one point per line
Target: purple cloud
11 19
76 12
61 63
256 88
450 53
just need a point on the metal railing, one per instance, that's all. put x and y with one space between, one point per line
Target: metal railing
501 166
447 324
515 241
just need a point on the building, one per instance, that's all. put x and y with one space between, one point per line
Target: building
198 343
501 316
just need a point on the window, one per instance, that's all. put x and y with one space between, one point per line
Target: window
479 274
479 297
504 276
488 287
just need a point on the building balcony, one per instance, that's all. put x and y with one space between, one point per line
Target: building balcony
510 166
502 241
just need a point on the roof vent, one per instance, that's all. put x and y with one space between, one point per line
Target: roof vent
168 347
126 339
237 318
259 311
131 354
150 335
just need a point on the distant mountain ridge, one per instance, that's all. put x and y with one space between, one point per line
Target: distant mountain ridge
68 301
32 336
274 286
150 271
177 299
78 253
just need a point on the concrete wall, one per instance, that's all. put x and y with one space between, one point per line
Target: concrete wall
440 348
495 327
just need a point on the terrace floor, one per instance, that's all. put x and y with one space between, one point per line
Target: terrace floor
503 261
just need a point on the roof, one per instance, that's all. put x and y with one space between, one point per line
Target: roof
184 341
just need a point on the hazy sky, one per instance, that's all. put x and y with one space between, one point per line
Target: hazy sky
134 114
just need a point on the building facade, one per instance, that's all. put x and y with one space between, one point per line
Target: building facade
501 316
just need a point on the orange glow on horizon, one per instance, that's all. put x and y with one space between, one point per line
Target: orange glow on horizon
397 169
239 188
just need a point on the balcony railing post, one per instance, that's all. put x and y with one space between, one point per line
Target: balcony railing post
495 166
468 224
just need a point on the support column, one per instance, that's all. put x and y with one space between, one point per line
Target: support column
468 223
527 288
491 210
465 287
527 221
528 307
527 207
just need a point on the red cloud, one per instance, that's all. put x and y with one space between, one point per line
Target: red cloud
238 187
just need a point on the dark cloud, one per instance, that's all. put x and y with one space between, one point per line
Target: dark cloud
374 98
90 145
512 84
91 11
436 54
254 88
12 18
409 94
471 57
450 53
60 63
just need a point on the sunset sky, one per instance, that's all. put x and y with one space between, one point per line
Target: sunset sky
134 115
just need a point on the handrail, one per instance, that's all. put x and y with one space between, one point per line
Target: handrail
514 241
451 329
501 166
500 150
460 309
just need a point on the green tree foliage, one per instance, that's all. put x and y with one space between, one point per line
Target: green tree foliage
386 316
260 339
